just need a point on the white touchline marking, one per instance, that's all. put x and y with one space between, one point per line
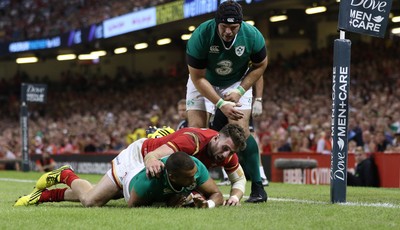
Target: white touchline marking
17 180
383 205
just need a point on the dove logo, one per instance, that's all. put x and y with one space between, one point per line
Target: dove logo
340 143
370 4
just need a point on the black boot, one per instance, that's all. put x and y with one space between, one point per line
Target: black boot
257 194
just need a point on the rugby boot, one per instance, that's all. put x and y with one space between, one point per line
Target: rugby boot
257 194
30 199
51 178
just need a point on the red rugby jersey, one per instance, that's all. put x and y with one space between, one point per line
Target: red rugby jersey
193 141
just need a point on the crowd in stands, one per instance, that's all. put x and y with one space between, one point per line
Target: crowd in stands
105 113
32 19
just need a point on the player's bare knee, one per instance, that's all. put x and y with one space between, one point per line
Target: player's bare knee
90 202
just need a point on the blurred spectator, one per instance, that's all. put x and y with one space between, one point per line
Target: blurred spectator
355 132
351 146
381 141
366 173
394 147
8 156
324 144
90 144
46 162
181 107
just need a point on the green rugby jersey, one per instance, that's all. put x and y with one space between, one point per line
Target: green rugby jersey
159 189
225 65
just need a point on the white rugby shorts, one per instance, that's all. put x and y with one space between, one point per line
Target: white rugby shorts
195 101
126 165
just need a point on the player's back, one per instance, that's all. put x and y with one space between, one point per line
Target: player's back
189 140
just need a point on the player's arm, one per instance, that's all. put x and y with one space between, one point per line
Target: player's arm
259 64
183 142
258 94
212 193
198 77
136 201
257 70
151 160
238 182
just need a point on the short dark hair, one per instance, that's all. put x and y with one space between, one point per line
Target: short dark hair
179 161
236 133
229 12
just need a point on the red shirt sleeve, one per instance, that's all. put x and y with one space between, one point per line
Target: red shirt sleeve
231 163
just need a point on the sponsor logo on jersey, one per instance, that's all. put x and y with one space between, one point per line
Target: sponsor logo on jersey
214 49
239 50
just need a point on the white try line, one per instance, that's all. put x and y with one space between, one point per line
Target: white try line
383 205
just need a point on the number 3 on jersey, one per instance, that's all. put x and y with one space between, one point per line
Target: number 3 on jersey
225 67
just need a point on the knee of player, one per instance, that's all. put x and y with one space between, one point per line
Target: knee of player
88 201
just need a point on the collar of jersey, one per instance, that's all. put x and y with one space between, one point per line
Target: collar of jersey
223 43
170 185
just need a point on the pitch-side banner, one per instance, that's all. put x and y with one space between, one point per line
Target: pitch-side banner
33 92
368 17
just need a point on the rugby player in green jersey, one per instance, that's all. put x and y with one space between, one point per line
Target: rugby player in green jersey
218 54
182 174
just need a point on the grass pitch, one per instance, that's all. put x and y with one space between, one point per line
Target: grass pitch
289 207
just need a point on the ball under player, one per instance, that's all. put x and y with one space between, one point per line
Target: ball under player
218 54
181 175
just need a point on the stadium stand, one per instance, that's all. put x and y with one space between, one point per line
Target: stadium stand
100 113
31 19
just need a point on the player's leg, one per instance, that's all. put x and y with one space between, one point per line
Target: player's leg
79 190
197 118
196 107
253 133
250 155
251 161
93 196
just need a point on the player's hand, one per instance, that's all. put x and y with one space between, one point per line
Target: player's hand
233 95
199 201
232 201
177 200
154 167
257 109
231 112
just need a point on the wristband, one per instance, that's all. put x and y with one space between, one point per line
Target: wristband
220 103
211 204
235 198
258 99
241 90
